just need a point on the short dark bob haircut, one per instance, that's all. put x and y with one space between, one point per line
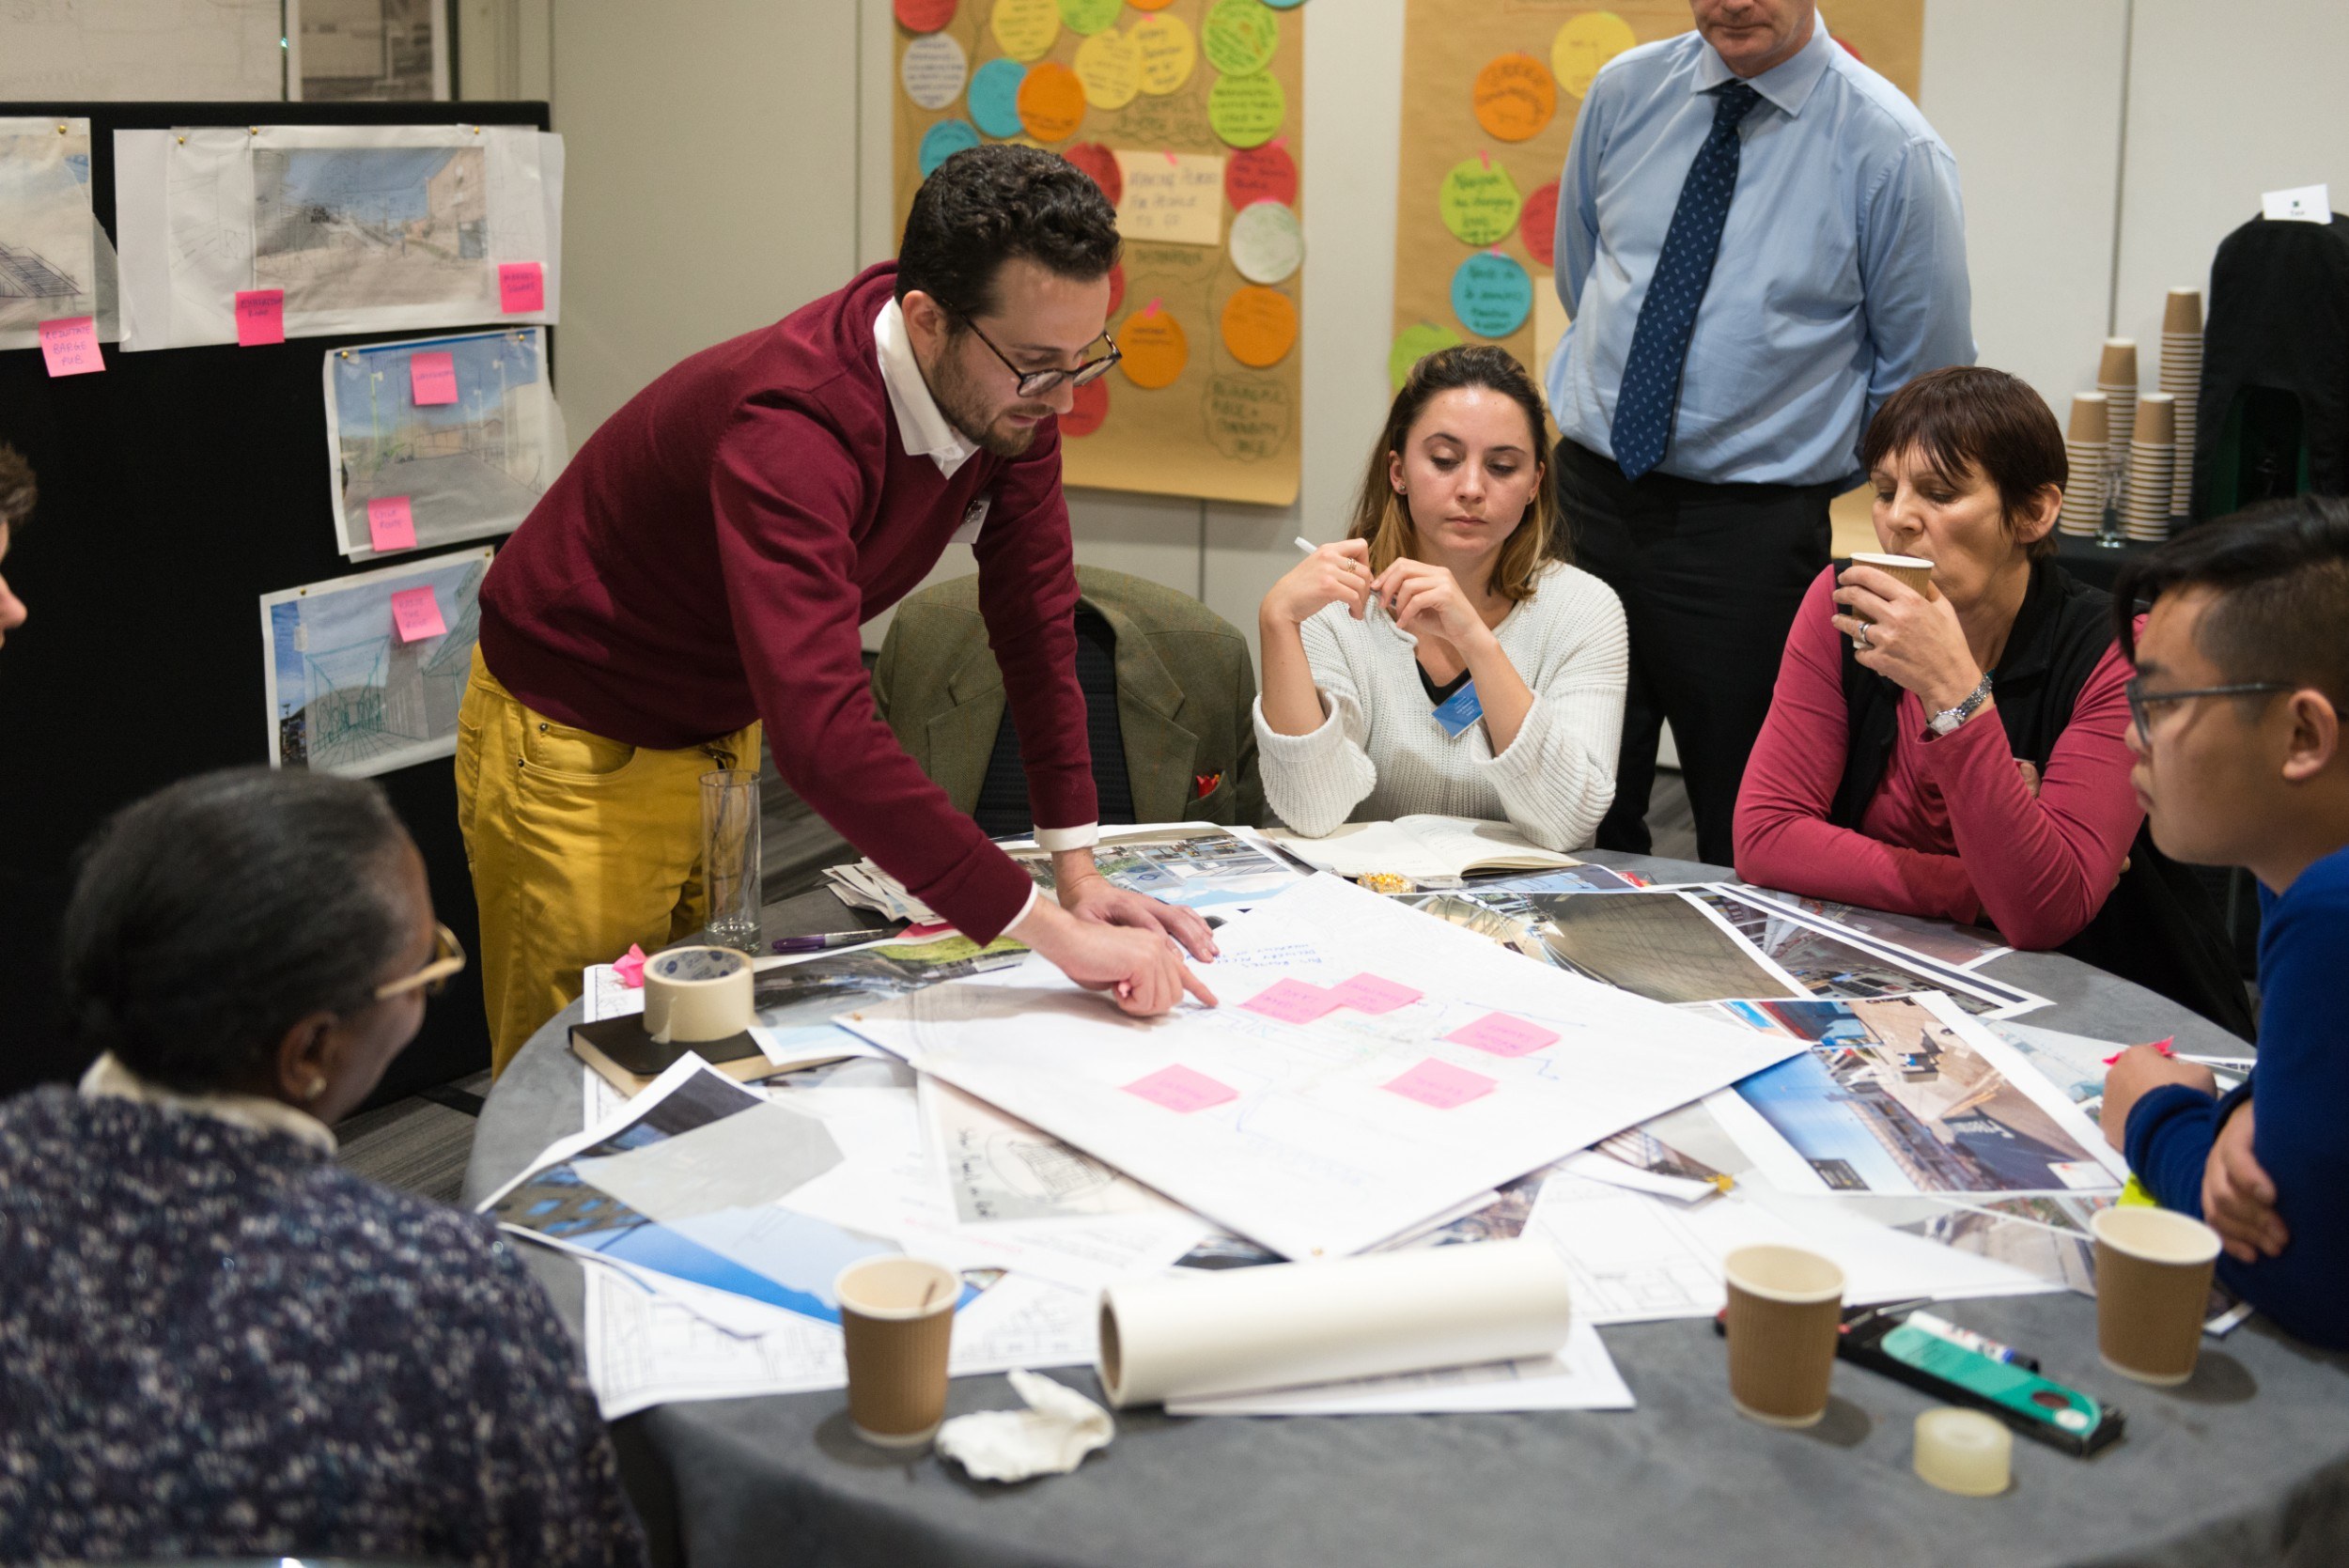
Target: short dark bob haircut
1966 420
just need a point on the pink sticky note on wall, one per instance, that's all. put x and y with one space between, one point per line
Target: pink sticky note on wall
1179 1089
432 378
70 346
392 524
1291 1002
1440 1084
1504 1035
522 288
1368 993
260 316
417 615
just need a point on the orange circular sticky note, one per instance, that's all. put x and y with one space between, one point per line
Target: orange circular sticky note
1538 225
1265 173
1110 66
1259 326
1025 28
924 16
1100 165
1585 43
1515 96
1090 412
1155 348
1169 53
1051 101
1150 5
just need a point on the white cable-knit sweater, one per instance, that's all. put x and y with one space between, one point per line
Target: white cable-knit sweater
1381 753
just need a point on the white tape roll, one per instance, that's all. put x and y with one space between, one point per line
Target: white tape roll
697 993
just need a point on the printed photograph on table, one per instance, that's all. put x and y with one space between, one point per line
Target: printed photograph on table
1828 960
1196 867
1190 117
49 239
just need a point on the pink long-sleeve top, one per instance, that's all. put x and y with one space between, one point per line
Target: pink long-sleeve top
1954 831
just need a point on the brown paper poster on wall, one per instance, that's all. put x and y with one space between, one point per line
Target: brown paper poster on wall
1190 115
1490 91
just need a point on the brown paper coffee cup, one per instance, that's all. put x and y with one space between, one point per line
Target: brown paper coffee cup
1915 570
2156 419
2091 421
2153 1281
1785 1309
897 1317
2183 311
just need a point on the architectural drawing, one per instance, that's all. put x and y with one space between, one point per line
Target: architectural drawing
47 256
156 49
345 227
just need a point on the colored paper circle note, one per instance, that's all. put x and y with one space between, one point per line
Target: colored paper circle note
942 141
1369 993
1284 5
69 346
1259 326
1168 54
1247 111
995 96
1291 1002
1515 96
1413 344
432 378
1110 66
1156 348
1091 408
1504 1035
522 288
1479 201
391 526
416 615
924 16
1268 243
1117 287
1585 43
1099 164
1265 173
1089 16
933 70
1492 294
1179 1089
260 316
1538 227
1051 102
1440 1084
1240 36
1025 28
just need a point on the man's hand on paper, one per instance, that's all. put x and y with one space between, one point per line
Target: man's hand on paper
1094 897
2238 1199
2138 1072
1141 967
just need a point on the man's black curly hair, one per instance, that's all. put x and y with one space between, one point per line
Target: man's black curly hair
988 205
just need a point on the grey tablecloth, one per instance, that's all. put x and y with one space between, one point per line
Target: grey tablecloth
2248 1463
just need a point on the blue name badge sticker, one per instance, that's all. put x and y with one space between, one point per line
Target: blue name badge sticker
1459 710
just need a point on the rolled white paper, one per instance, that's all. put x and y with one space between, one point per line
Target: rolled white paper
1283 1325
697 993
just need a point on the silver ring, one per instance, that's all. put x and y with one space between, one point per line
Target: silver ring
1860 638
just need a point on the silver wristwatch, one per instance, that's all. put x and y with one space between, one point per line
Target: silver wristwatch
1949 718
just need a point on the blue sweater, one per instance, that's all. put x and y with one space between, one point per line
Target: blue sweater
2300 1095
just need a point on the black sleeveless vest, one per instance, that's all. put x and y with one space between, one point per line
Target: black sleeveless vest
2158 927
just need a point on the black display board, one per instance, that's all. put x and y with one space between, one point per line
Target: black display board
175 488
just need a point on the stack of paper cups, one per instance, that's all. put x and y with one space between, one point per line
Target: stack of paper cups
2182 378
2153 452
2086 443
2116 378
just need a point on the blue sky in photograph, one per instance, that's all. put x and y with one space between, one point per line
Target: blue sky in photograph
478 358
385 184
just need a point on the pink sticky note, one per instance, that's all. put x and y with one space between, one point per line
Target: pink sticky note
1291 1002
260 316
1367 993
417 615
2161 1045
391 524
630 967
1181 1089
1504 1035
432 378
1440 1084
522 288
70 346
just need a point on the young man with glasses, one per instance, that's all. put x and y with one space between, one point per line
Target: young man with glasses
2242 678
704 562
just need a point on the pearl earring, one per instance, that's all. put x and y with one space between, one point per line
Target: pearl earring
315 1087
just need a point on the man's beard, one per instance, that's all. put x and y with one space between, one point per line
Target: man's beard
965 407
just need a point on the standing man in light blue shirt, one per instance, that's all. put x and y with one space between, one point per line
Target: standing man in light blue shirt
1759 240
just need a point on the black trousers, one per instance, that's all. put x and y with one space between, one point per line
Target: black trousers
1710 577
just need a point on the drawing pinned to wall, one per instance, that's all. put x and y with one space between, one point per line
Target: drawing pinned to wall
468 461
346 51
173 50
55 262
1188 115
347 692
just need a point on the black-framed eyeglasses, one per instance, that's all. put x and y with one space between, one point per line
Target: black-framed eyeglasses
1036 383
448 958
2141 701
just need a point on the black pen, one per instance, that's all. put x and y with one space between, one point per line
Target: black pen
827 941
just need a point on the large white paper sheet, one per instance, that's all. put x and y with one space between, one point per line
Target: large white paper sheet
1315 1156
156 51
1580 1376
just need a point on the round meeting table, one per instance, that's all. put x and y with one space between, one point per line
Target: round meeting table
2247 1463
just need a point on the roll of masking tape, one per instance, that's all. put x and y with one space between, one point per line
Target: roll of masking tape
697 993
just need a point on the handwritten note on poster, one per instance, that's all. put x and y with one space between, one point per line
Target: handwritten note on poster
1174 197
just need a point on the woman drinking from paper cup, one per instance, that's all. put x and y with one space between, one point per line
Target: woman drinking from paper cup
1960 752
1437 659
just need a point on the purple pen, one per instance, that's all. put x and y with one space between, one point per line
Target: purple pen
827 941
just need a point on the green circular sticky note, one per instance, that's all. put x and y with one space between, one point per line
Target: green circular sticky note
1089 16
1479 201
1247 111
1413 344
1492 294
1240 36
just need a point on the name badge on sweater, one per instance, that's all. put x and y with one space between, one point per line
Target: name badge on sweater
973 518
1459 710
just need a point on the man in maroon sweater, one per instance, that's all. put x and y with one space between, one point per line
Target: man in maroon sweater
706 559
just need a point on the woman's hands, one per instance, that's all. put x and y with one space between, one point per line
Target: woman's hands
1335 574
1426 600
1914 640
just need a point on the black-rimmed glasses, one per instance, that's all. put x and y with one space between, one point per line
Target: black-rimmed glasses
2142 701
1036 383
448 956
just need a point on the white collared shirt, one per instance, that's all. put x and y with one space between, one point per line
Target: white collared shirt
109 1078
922 425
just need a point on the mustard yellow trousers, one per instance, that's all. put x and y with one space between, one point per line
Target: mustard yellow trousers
579 845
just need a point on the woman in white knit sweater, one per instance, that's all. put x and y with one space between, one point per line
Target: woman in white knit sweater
1444 584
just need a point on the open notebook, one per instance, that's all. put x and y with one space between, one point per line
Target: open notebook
1423 846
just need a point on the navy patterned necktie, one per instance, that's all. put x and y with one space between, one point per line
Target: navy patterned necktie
1650 394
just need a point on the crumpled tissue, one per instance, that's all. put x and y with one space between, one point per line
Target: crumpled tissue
1050 1438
